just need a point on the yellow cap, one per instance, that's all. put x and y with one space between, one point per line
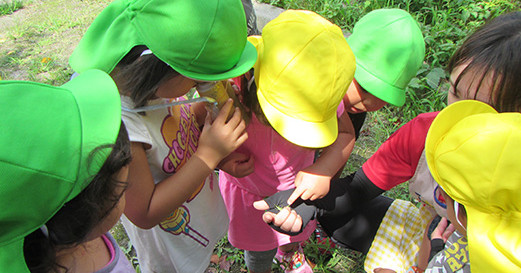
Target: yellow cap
473 153
303 70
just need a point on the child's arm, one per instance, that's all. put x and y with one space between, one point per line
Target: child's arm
237 164
313 182
434 242
148 203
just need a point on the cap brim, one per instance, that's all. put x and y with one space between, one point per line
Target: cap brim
100 112
297 131
493 241
379 88
12 256
442 124
245 63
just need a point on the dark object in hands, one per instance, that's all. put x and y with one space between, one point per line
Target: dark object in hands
433 226
279 201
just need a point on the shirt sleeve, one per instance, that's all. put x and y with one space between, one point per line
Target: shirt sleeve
396 160
136 128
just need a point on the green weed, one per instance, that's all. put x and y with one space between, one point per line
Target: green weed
10 6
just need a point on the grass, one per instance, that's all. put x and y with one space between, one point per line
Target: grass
9 7
38 36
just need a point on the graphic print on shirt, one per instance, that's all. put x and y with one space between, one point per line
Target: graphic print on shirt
457 254
177 223
180 133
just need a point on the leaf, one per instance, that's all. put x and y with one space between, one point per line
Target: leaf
414 83
214 259
434 76
224 263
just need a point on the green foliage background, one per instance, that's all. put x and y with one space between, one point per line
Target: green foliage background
444 24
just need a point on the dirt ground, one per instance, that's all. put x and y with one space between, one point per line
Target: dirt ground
36 41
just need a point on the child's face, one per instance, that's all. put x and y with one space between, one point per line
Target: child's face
358 100
112 218
467 86
451 215
175 87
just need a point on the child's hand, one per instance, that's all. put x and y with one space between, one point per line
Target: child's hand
286 219
443 230
237 164
310 186
220 138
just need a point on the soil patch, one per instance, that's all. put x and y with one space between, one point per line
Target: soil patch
37 40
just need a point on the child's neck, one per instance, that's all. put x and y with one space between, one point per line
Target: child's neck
88 257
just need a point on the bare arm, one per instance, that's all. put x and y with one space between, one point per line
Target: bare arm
148 203
334 157
313 182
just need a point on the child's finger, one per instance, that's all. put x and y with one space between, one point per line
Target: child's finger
313 197
242 139
297 223
448 231
241 126
238 125
306 195
281 217
208 119
268 217
295 195
290 224
442 225
260 205
225 110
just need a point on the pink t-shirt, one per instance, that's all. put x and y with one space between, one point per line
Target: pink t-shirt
277 162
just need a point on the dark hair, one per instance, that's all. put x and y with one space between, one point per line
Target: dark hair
139 76
73 222
250 99
494 49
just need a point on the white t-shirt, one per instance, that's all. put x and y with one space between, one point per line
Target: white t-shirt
185 241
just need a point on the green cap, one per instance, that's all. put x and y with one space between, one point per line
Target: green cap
47 136
201 39
389 50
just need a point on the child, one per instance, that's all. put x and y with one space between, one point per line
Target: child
154 49
303 69
472 152
379 35
483 68
380 79
64 164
